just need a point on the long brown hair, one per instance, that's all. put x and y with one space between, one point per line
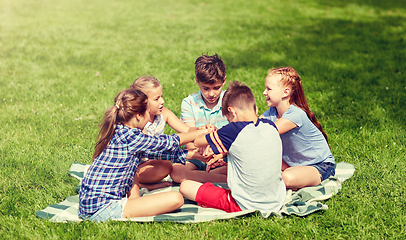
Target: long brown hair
290 78
127 104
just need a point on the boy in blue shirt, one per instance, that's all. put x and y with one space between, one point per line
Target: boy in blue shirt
199 109
254 151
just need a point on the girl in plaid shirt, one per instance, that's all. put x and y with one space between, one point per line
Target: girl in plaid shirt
109 189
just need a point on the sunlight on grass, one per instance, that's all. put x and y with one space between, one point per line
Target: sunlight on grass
62 63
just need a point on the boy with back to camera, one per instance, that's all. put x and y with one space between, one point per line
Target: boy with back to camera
199 109
254 151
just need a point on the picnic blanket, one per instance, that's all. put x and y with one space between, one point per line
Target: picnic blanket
301 203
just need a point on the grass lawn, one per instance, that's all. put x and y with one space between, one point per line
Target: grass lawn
62 63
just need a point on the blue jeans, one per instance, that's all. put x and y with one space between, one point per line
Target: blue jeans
325 169
112 210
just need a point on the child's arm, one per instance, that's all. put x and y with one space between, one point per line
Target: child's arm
201 141
195 154
209 127
284 125
191 136
174 122
187 116
191 125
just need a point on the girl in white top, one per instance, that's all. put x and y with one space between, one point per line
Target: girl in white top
151 172
307 159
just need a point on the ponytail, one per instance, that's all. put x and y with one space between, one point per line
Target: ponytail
127 104
289 77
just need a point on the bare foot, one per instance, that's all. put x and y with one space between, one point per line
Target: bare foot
153 186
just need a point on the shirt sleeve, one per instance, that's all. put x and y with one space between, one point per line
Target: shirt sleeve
220 141
186 111
270 114
295 115
163 147
176 156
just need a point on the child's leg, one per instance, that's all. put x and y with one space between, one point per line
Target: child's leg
301 176
187 165
209 195
135 190
220 170
153 171
150 173
153 204
189 189
181 173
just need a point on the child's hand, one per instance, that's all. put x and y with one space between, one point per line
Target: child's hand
210 127
207 152
216 161
201 150
202 131
195 154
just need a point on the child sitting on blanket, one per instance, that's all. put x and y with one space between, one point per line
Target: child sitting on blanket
307 159
199 109
108 189
254 152
151 172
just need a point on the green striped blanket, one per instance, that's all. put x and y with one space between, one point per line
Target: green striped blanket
300 203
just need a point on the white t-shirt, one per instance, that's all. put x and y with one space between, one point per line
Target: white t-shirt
157 127
254 163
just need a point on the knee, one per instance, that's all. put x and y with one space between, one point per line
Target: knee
189 188
176 199
288 179
183 186
178 173
163 167
167 166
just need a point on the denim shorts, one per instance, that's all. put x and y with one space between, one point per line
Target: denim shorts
201 166
112 210
326 169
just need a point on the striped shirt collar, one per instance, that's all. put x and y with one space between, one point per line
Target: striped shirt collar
201 104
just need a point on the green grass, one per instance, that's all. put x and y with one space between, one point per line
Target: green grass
62 63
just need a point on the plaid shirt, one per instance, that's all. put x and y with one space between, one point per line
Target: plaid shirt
111 174
194 109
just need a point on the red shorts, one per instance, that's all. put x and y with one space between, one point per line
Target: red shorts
216 197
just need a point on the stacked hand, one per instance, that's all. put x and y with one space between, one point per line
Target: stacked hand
216 161
209 127
207 153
